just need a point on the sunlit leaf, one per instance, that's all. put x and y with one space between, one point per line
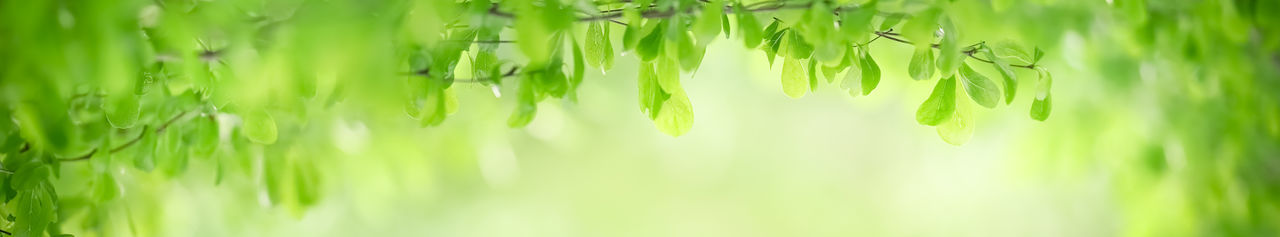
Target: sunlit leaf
259 127
980 89
950 56
921 67
676 115
958 129
794 81
940 105
870 73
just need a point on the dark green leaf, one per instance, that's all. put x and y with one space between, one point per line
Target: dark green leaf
650 46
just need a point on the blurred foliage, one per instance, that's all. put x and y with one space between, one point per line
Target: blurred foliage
106 98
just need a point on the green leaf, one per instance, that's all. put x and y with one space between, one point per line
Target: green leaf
749 27
595 41
950 55
306 182
920 29
105 187
921 67
676 115
793 78
724 24
870 73
668 74
852 81
813 75
1042 105
275 174
690 54
526 104
122 110
890 21
259 127
856 24
775 44
650 46
205 138
1009 49
979 88
35 208
578 70
171 152
144 158
941 104
959 128
1006 72
608 50
1040 108
1038 55
707 26
797 47
651 94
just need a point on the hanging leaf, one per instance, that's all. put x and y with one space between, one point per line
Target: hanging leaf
749 27
651 45
979 88
959 128
578 70
1043 103
1006 72
595 43
950 55
676 115
794 82
668 74
526 104
259 127
651 93
870 73
813 75
920 29
707 26
921 67
941 104
1040 108
122 110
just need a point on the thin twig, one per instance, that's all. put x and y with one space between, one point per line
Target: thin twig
969 52
135 140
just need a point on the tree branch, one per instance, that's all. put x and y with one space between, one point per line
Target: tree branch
968 52
135 140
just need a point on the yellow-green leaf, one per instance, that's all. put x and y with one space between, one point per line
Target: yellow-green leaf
259 127
959 128
676 116
794 79
941 104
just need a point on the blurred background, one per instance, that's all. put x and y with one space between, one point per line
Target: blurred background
1165 123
